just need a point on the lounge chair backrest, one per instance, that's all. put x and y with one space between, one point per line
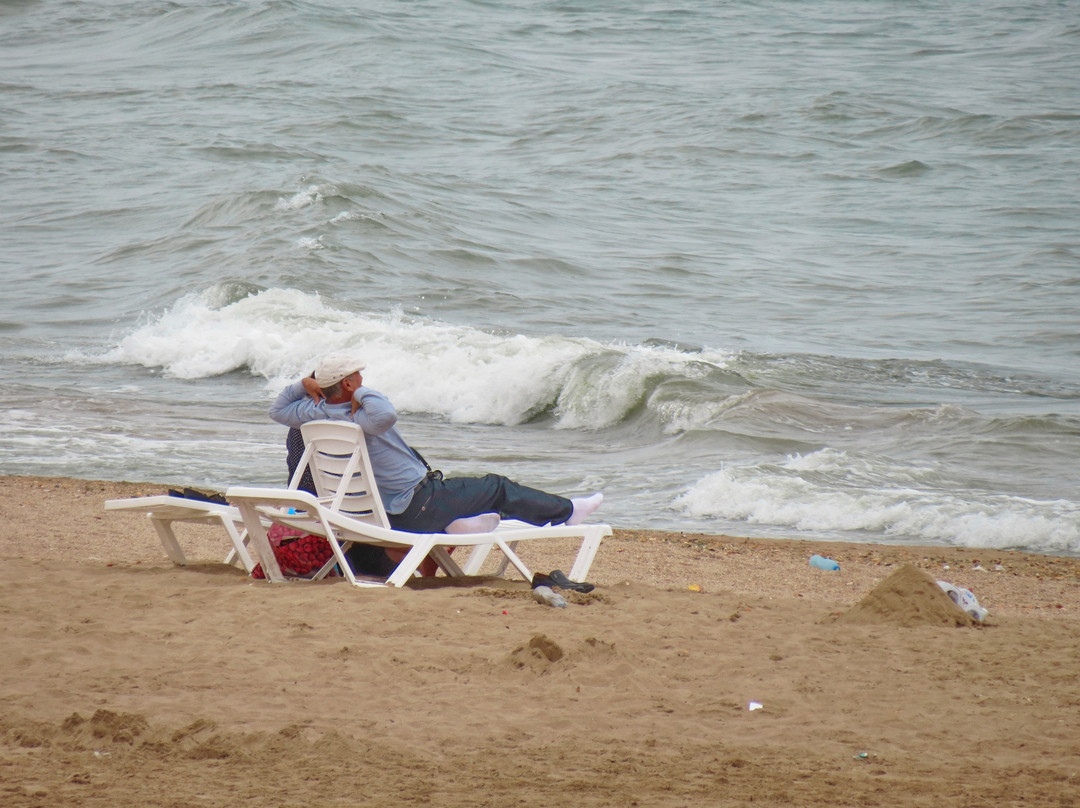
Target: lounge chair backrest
336 453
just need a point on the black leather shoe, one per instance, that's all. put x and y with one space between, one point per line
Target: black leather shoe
539 579
563 582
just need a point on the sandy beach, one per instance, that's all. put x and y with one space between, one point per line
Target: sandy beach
128 681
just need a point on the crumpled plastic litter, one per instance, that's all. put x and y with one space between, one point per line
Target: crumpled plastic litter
965 599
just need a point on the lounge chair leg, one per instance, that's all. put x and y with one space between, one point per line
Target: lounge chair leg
500 571
443 559
239 545
586 554
410 562
476 559
168 541
338 559
257 535
512 557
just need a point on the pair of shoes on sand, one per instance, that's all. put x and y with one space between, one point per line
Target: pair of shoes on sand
557 579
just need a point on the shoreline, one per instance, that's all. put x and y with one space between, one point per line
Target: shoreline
1005 581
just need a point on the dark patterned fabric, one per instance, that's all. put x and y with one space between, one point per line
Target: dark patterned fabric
294 443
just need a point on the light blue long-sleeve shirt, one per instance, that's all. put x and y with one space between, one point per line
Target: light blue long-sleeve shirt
397 469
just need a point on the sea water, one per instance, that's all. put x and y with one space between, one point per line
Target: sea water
768 268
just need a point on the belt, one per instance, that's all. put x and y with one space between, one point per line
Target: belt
415 501
431 475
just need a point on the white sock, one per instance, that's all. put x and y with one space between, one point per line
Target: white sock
583 508
481 523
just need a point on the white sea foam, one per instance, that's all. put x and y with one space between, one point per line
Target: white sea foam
196 338
355 216
301 199
827 492
463 374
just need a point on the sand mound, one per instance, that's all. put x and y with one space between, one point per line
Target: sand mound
908 597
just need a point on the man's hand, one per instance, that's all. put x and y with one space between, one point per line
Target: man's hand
313 389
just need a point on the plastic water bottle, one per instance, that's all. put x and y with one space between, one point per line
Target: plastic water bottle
965 599
823 563
545 594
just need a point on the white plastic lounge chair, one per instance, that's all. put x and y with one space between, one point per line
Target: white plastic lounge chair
349 509
164 509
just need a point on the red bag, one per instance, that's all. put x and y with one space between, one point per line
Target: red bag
299 555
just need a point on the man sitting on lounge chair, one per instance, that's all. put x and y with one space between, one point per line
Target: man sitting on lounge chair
417 499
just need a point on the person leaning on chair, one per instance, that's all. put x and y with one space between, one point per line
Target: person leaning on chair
416 499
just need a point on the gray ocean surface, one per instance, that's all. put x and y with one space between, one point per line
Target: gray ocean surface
769 268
